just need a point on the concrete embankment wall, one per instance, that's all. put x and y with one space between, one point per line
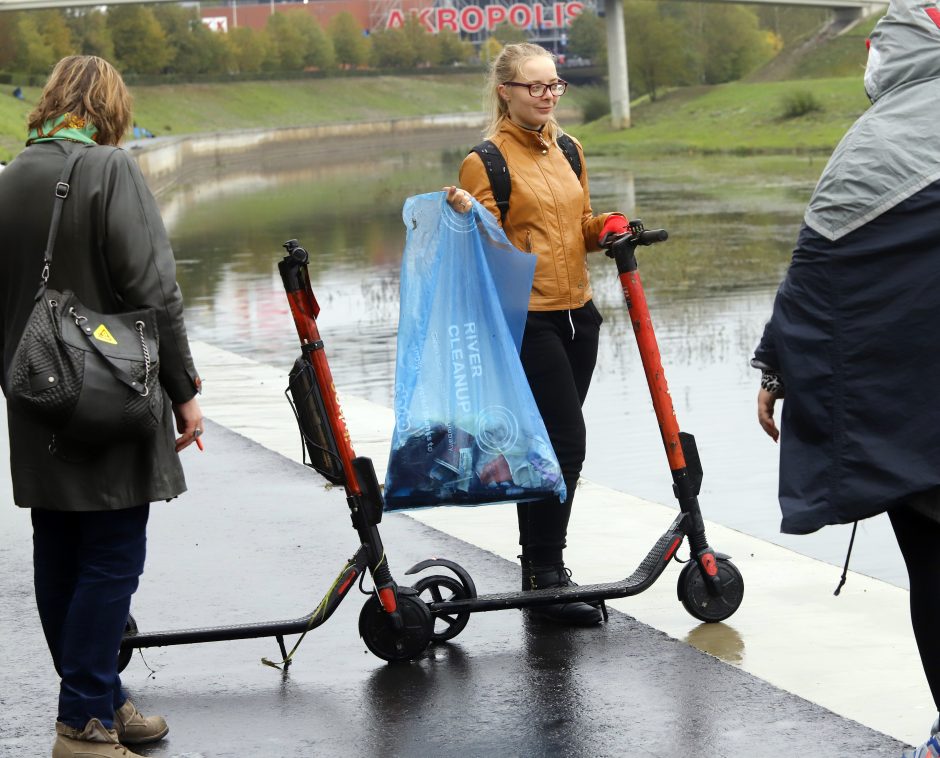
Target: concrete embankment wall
170 161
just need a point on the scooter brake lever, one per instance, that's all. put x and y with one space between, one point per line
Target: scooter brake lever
615 243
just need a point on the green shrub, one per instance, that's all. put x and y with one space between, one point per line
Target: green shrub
595 104
801 103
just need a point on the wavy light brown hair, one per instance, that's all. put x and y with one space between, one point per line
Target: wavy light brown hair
507 66
90 88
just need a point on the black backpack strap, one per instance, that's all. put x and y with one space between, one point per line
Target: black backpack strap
498 172
571 153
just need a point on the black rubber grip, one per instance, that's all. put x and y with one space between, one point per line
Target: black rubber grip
650 236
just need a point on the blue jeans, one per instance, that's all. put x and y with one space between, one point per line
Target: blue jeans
86 568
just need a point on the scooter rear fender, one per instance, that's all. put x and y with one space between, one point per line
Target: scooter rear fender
459 570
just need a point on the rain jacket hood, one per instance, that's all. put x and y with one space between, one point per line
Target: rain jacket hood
888 155
856 319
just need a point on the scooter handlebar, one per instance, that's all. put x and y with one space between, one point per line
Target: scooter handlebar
651 236
638 235
295 251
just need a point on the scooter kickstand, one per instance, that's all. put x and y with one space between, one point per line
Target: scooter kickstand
280 643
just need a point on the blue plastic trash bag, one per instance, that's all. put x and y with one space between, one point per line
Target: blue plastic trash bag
467 430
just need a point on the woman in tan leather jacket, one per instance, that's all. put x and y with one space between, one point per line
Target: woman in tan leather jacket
550 216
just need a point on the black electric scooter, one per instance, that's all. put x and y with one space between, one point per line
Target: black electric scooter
399 622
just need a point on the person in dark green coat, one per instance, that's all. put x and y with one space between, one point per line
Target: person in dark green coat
90 504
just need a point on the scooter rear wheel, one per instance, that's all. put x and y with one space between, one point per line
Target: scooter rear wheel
700 603
389 643
125 653
446 625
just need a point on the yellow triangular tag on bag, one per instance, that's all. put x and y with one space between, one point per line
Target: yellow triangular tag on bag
102 334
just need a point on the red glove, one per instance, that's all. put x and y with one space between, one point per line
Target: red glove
615 225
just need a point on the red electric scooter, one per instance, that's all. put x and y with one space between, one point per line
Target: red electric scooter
710 586
399 622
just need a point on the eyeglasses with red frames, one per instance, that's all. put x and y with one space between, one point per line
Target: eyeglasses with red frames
537 89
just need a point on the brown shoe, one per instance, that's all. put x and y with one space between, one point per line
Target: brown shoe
94 741
133 728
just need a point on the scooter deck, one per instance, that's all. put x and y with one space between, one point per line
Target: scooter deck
353 568
645 574
222 633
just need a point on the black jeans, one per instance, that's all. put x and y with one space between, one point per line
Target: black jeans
86 567
919 539
559 350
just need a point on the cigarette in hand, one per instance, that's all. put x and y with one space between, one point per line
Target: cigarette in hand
196 435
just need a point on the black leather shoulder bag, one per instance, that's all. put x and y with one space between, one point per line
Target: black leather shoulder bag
88 376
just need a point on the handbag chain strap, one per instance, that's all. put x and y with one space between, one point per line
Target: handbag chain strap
145 348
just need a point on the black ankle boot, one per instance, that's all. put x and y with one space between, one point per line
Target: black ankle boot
556 575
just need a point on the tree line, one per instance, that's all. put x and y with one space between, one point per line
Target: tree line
677 44
669 43
171 39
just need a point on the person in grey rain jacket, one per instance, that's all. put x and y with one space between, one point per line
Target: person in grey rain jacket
89 504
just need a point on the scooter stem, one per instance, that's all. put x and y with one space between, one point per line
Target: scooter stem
362 490
686 482
632 286
305 309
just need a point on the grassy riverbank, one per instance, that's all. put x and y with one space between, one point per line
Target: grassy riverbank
756 115
736 118
189 108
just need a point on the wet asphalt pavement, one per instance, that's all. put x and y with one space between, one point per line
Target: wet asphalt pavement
260 538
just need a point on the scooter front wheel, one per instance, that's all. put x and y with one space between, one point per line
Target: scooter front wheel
700 603
387 642
125 653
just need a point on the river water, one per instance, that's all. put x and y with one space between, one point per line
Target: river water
732 222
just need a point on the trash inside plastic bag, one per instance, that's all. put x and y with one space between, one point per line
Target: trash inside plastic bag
467 430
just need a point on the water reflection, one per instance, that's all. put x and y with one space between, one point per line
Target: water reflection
560 702
436 687
719 640
732 222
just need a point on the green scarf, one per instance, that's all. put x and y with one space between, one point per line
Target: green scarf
67 127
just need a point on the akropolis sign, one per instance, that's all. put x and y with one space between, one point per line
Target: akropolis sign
477 18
